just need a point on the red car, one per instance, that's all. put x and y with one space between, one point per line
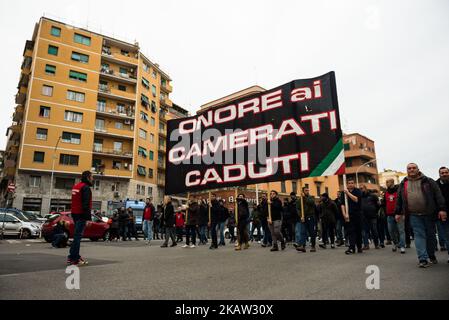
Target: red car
94 230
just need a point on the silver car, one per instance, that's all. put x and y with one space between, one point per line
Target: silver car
10 225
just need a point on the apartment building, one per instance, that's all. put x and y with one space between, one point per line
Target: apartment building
86 101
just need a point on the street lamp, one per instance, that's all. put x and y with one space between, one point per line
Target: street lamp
53 169
357 171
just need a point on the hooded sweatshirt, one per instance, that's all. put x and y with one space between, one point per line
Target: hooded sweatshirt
415 196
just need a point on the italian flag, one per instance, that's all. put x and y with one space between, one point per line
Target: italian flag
333 163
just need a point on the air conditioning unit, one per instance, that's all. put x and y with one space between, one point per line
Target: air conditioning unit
126 166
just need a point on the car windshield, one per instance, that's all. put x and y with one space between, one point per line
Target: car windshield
21 216
30 215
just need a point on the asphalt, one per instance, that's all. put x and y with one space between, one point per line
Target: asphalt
134 270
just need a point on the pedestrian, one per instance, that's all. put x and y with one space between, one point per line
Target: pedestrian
203 221
223 216
308 224
395 228
255 224
114 227
275 223
193 215
353 216
148 217
381 219
340 221
132 231
215 215
421 198
168 218
242 223
443 183
263 209
370 208
231 225
328 211
123 223
60 235
286 221
81 213
179 223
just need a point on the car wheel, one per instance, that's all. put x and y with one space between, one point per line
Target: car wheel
25 234
93 239
106 235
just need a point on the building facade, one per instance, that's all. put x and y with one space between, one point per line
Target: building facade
317 185
360 158
387 174
86 101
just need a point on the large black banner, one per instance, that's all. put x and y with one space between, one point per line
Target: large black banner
289 132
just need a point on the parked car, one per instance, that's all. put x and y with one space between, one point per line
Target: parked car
25 215
12 225
94 230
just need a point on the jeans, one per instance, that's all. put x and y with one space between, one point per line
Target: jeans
148 229
74 252
267 239
202 230
339 229
169 233
442 240
275 229
445 228
191 234
298 230
354 228
370 227
396 230
221 226
308 227
425 241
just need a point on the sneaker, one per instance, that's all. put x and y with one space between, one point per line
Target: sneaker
332 246
174 244
349 251
185 246
322 246
295 245
275 248
423 264
246 246
340 243
394 248
388 243
238 248
82 262
213 247
263 245
402 250
71 262
433 260
365 248
192 246
377 247
282 245
301 249
313 249
382 246
164 246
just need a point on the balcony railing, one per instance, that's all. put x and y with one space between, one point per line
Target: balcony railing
127 113
104 88
21 98
113 152
161 165
118 75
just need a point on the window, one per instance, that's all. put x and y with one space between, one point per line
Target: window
162 96
35 181
150 191
150 173
75 96
121 108
283 190
123 70
142 152
73 116
101 105
348 162
68 159
141 171
70 137
153 90
138 189
118 146
153 107
97 184
49 69
122 87
143 116
41 134
142 134
115 186
98 145
162 143
44 112
75 75
83 58
306 186
326 189
96 163
151 138
154 75
79 38
346 146
146 67
117 165
53 50
318 189
39 156
64 183
145 83
161 127
144 100
163 82
125 53
294 186
153 121
99 124
151 155
119 125
55 31
47 91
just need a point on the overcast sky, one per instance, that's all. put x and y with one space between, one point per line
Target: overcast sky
391 58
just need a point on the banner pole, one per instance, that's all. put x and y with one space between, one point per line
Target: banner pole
269 207
301 200
257 194
236 208
210 204
346 196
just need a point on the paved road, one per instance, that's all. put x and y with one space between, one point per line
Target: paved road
134 270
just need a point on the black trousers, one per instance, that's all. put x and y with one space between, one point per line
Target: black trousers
328 231
355 231
213 232
190 234
242 228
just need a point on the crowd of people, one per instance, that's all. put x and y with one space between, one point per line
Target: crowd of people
358 218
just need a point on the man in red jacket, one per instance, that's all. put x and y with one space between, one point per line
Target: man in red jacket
81 212
396 229
148 215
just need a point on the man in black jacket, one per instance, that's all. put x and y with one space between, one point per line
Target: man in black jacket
123 223
421 198
215 213
276 220
443 183
193 217
370 208
263 209
242 223
169 221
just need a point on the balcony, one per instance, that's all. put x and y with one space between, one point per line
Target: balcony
29 46
362 153
18 114
363 169
162 133
116 173
161 182
112 152
166 88
21 98
15 127
110 132
161 149
163 116
26 64
161 165
23 82
105 91
116 57
121 77
127 114
165 102
10 164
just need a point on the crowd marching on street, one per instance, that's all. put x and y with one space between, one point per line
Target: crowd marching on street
357 219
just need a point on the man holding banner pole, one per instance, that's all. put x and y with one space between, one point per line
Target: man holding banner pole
214 216
352 211
242 222
275 221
